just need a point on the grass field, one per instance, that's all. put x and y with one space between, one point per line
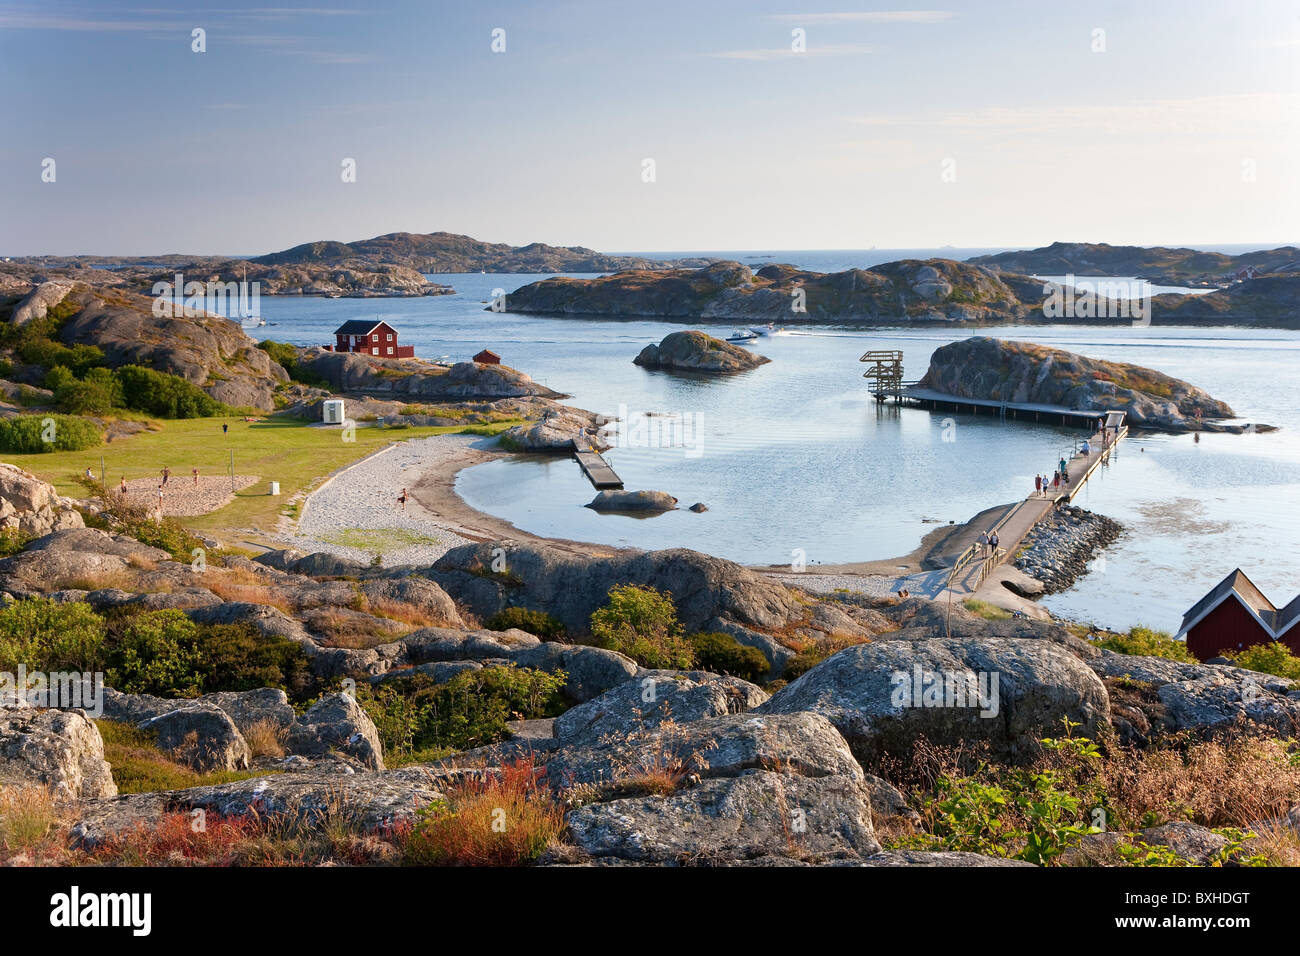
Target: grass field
283 450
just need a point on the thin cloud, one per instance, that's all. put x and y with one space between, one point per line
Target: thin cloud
842 49
869 16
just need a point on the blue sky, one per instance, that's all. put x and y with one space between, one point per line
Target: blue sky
944 123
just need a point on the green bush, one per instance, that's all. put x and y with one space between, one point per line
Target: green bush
164 395
25 434
84 398
166 654
1144 642
57 377
49 636
1275 658
286 356
414 714
534 622
12 541
723 654
36 350
642 623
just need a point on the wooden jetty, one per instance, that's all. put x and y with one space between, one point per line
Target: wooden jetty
596 468
974 566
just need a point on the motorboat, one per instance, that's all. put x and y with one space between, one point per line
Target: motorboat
742 335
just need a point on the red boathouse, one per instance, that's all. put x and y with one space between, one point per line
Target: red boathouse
370 338
487 357
1236 615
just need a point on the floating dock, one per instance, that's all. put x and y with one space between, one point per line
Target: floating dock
1045 414
596 468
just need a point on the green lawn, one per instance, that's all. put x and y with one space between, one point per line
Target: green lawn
283 450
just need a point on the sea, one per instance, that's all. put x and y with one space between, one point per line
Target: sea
796 462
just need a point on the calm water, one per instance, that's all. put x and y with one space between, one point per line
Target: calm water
794 455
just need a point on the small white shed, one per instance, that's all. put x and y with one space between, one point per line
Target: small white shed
332 411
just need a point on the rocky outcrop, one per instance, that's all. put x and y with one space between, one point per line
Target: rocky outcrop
200 735
37 304
1022 372
417 379
698 352
706 590
33 507
652 502
1163 266
559 430
336 722
1060 548
1004 692
206 350
61 750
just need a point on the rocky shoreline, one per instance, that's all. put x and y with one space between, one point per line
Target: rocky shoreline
1061 548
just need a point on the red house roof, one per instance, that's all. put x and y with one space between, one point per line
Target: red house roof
1236 586
487 356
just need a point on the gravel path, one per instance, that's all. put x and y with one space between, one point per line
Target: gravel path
875 585
357 514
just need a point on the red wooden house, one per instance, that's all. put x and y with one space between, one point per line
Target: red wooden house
1236 615
370 338
487 357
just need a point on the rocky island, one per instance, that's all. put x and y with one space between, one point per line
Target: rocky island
698 352
909 292
1026 373
1193 268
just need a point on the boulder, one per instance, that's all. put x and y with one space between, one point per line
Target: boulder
200 735
648 701
61 750
753 815
336 722
644 501
590 671
32 506
1004 692
417 592
39 301
321 564
95 541
280 560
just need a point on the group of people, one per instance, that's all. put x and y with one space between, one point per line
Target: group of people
1043 485
989 542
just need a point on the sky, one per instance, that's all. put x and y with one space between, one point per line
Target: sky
630 125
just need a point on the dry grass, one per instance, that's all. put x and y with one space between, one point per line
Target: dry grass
503 818
403 613
228 590
98 581
28 817
265 739
341 629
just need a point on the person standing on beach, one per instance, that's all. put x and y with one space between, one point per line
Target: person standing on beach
166 473
122 487
160 508
195 473
402 500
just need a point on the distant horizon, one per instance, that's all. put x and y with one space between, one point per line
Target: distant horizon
1240 247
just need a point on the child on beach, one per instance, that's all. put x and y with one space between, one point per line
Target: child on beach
402 499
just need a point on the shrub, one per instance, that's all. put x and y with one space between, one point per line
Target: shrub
12 540
166 654
1275 658
48 636
57 377
642 623
1144 642
78 359
414 714
84 398
286 356
723 654
165 395
465 829
534 622
25 434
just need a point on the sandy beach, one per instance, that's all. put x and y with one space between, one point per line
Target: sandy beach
357 512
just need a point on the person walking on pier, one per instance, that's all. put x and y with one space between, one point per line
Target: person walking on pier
984 543
1038 485
1056 481
993 543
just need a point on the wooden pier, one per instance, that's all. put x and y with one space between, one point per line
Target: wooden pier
596 468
